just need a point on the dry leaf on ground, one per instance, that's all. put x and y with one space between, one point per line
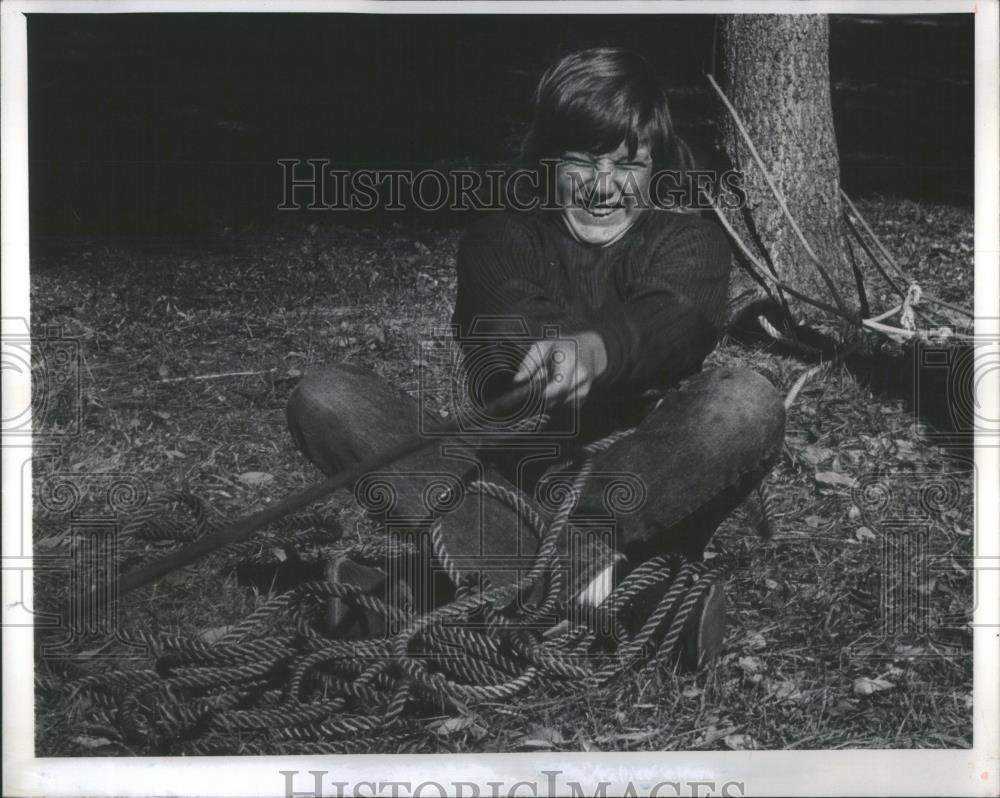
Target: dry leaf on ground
835 479
865 686
255 478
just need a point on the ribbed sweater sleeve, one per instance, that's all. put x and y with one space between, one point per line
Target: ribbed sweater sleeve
675 308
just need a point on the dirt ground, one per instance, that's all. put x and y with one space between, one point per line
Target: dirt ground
841 633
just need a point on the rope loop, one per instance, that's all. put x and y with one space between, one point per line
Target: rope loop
278 682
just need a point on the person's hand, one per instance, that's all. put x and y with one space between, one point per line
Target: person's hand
567 366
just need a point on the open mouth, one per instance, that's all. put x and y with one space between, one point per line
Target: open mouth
602 211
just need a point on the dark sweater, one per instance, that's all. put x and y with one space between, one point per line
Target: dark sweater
657 296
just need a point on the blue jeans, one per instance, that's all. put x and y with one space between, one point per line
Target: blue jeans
665 488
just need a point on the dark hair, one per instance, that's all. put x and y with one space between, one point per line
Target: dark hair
592 100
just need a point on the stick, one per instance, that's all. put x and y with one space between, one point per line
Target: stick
743 247
894 264
840 357
867 324
871 256
781 202
803 378
887 314
765 275
199 377
859 281
931 316
246 526
878 242
892 332
949 306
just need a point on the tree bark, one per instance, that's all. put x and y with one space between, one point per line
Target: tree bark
777 75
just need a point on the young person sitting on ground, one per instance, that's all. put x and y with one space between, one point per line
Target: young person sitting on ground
608 306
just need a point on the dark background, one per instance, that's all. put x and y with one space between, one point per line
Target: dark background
170 125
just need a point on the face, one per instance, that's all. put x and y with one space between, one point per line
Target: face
601 196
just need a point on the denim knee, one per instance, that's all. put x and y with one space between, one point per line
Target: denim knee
330 389
744 401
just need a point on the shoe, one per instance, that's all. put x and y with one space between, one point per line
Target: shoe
701 638
348 621
704 632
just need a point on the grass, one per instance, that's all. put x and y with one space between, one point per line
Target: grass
812 611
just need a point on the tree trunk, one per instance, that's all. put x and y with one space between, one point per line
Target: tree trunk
777 75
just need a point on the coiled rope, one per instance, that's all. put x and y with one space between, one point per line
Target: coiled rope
274 683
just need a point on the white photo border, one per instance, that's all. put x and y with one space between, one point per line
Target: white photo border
870 772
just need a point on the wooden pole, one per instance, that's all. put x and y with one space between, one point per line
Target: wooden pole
246 526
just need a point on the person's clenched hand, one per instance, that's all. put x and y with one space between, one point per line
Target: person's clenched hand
567 366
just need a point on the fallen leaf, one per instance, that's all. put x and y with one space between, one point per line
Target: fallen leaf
255 478
215 634
863 533
713 734
755 641
540 737
814 455
842 706
448 726
786 690
181 577
750 664
533 743
835 479
692 692
630 737
814 521
91 742
770 584
740 742
905 451
865 686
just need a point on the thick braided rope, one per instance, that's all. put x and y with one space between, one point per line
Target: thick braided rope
153 522
694 594
547 548
306 689
515 500
637 646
